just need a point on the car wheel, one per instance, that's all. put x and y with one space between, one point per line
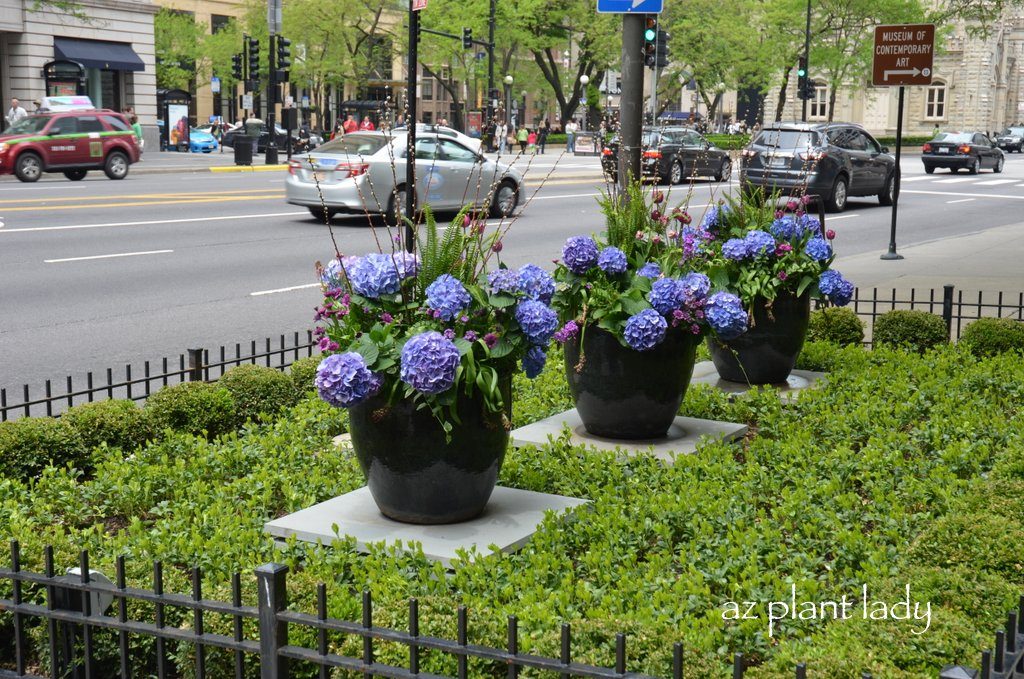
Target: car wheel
999 165
28 167
116 166
675 173
886 196
75 175
321 214
396 207
505 199
724 172
929 169
975 166
837 197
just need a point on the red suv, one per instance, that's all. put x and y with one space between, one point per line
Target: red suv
72 142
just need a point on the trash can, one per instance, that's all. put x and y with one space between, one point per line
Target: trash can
243 149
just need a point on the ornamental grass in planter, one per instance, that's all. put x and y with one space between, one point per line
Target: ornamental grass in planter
422 348
635 312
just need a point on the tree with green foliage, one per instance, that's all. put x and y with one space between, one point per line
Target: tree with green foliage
178 43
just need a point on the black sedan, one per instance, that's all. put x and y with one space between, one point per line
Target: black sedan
261 145
973 151
673 155
1011 139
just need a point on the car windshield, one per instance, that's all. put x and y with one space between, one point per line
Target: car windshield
30 125
786 139
650 138
955 137
1013 132
355 144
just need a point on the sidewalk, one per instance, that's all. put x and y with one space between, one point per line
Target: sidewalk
987 261
161 162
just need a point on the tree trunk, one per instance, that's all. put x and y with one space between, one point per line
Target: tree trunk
453 92
781 104
831 103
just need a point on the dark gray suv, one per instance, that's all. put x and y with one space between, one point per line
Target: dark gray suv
830 160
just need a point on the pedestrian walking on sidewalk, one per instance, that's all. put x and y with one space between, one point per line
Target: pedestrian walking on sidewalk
16 113
521 136
542 135
570 135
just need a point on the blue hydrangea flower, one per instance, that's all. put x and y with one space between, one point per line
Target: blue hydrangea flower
505 281
612 260
536 283
533 361
835 287
645 330
818 249
343 380
713 217
332 275
695 287
735 249
759 243
448 296
809 223
666 295
726 316
429 362
537 320
649 270
406 263
374 275
786 228
579 254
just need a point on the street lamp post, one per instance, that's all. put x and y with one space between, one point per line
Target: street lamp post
585 80
508 98
523 109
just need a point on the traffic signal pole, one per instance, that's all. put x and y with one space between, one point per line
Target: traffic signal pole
410 149
807 54
271 158
632 98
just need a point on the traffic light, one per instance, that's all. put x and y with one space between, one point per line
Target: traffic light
801 78
236 67
467 38
661 50
254 58
284 53
810 90
651 41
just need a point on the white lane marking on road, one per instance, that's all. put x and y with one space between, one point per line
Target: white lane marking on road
832 219
915 179
955 180
954 193
50 187
120 254
289 289
153 222
962 200
996 182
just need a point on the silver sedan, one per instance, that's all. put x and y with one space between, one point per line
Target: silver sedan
364 172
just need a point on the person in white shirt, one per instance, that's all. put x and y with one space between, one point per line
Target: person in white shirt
501 132
570 135
16 113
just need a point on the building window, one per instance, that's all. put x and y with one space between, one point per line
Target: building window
218 22
935 102
819 104
428 88
428 117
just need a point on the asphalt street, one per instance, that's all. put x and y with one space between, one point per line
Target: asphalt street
98 274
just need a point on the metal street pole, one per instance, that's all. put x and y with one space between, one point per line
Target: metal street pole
631 99
891 254
274 24
490 63
410 147
807 61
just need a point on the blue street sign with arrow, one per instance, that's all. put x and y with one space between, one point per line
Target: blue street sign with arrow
630 6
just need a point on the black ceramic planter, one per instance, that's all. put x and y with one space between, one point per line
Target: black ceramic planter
767 352
625 394
414 474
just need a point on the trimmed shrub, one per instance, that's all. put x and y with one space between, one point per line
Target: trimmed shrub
192 407
912 330
303 372
119 423
838 325
259 392
991 336
28 445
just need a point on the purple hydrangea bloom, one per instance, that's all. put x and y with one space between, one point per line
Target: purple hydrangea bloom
818 249
612 260
504 281
835 287
343 380
712 218
332 274
568 331
537 320
649 270
735 249
695 287
448 296
726 316
429 362
406 263
666 295
373 275
759 243
579 254
809 223
533 361
536 283
786 228
645 330
694 241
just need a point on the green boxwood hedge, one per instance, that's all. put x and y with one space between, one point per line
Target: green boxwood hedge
259 392
991 336
30 444
912 330
118 423
838 325
303 372
195 408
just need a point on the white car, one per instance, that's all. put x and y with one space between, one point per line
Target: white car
364 172
466 140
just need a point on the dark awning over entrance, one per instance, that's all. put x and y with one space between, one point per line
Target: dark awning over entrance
111 56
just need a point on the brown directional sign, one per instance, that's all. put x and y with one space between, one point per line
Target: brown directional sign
903 55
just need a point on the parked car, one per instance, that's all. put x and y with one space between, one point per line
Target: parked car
472 143
201 142
830 160
972 151
72 142
357 173
1011 139
672 155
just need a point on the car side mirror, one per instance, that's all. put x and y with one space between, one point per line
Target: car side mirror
885 149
